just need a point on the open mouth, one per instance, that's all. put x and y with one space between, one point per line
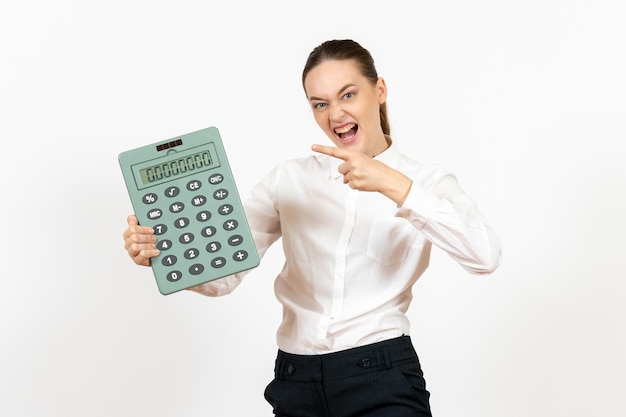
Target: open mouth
347 132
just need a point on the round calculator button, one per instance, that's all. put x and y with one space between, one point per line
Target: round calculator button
192 253
149 198
213 247
154 214
216 179
164 244
196 269
230 224
208 231
225 209
240 255
174 276
186 238
159 229
177 207
172 192
181 222
194 185
198 200
218 262
235 240
169 260
203 216
220 194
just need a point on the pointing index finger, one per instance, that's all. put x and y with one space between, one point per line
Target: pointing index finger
331 151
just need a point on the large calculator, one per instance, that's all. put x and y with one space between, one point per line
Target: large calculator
184 189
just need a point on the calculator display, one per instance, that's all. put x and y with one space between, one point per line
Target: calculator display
175 165
174 168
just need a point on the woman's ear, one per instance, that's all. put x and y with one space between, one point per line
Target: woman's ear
381 89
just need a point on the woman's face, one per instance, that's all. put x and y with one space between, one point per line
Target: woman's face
346 105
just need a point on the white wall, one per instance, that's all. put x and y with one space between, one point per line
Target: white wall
523 100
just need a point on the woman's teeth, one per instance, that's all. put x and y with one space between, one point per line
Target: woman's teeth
344 129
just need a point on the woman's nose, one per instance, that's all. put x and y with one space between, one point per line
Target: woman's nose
336 112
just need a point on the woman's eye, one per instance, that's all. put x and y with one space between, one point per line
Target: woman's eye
348 95
319 105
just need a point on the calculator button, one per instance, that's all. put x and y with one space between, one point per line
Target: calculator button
177 207
159 229
216 179
194 185
169 260
213 247
218 262
220 194
192 253
231 224
203 216
235 240
198 201
196 269
181 222
225 209
154 214
172 191
186 238
208 231
149 198
174 276
164 244
240 255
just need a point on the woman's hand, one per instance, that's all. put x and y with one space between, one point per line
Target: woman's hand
363 173
139 242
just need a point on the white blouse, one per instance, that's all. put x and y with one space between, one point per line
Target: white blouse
352 257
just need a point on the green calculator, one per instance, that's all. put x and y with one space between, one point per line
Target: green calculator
184 189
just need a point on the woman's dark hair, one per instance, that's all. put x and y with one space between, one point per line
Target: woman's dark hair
343 50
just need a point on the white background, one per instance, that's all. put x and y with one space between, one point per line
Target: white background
524 101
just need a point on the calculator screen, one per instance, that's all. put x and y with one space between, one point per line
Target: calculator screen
171 167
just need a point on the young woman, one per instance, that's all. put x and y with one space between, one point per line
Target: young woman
357 221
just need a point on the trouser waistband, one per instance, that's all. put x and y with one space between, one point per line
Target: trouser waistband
351 362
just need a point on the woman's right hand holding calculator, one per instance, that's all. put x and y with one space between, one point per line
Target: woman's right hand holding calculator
139 242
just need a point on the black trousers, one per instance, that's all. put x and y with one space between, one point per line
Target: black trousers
383 379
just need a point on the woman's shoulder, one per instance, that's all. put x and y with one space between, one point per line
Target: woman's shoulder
413 166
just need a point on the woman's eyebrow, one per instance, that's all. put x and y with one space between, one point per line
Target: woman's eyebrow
341 90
